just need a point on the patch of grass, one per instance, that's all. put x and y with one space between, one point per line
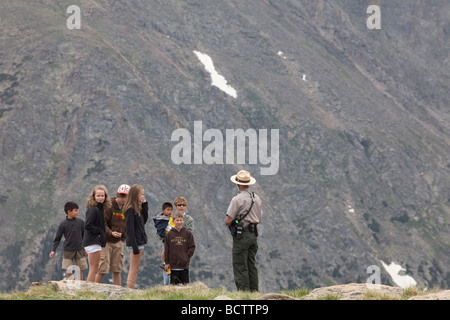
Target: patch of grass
411 292
195 291
406 294
50 293
298 293
34 293
330 297
375 295
414 291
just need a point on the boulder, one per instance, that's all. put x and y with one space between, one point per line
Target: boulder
441 295
72 286
276 296
354 291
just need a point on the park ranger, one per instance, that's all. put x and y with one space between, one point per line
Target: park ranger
243 215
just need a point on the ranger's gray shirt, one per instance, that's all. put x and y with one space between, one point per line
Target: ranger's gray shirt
240 204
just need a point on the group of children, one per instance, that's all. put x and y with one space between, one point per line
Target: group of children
112 222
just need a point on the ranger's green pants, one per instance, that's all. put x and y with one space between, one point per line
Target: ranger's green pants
244 268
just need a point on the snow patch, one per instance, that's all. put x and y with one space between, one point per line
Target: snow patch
403 281
281 54
217 80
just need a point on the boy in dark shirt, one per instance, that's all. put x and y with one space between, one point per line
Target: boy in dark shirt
72 229
163 222
178 249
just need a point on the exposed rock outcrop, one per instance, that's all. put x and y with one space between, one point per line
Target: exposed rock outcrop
353 291
276 296
441 295
71 287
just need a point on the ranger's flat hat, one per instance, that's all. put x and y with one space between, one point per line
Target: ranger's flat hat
243 178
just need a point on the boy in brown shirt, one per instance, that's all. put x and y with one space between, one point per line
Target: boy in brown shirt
178 249
111 258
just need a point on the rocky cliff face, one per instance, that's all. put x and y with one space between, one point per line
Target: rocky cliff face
363 120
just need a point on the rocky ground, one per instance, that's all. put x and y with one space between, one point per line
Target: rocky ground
352 291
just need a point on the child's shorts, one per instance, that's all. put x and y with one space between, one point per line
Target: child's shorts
78 256
93 248
111 258
139 247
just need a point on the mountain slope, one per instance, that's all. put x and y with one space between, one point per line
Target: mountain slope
364 145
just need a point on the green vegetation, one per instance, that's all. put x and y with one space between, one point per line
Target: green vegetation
299 293
193 292
196 291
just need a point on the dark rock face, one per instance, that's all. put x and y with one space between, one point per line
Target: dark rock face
363 137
